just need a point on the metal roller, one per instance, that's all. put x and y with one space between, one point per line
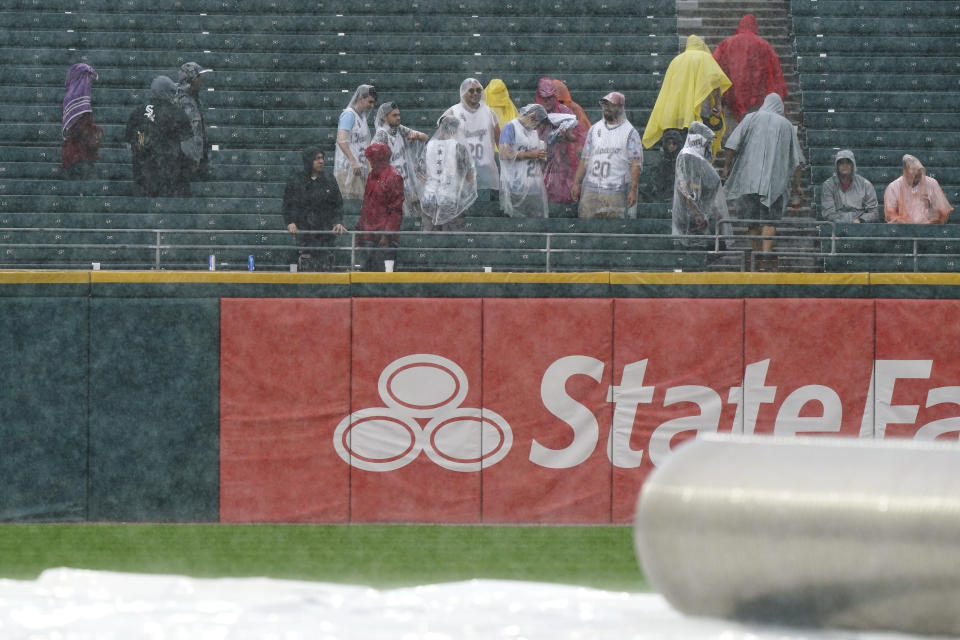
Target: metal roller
810 532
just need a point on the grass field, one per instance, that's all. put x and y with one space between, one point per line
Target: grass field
382 556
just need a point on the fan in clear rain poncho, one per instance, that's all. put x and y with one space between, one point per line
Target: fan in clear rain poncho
479 131
699 200
522 159
449 179
406 145
350 167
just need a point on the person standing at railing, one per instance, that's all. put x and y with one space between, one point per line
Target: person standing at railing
846 196
699 200
610 164
381 210
449 179
915 197
81 137
312 202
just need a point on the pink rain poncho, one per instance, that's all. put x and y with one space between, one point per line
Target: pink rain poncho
915 197
563 144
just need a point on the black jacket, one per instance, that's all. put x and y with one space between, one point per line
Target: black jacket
313 205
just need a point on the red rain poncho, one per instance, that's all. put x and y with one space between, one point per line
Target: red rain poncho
752 65
382 208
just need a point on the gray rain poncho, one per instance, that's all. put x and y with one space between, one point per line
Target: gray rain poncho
522 190
768 151
403 155
354 131
699 200
857 202
447 173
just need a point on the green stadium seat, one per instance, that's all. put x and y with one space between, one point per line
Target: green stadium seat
884 8
875 26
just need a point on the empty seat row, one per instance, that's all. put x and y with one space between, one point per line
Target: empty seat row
848 63
878 81
871 8
317 24
894 100
874 45
879 26
365 7
486 44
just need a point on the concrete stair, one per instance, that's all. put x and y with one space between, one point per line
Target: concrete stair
714 20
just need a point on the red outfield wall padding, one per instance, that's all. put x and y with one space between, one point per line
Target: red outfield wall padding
284 385
546 410
546 372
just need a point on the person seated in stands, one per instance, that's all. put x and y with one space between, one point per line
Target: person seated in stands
406 145
479 131
671 144
353 135
522 158
915 197
449 179
699 200
610 164
81 137
752 64
846 196
381 210
154 132
691 91
196 151
564 138
312 202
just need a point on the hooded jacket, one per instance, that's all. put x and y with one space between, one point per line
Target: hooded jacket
312 204
858 201
382 208
154 131
195 149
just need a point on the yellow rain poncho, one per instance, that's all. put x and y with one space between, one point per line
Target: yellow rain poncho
498 99
690 79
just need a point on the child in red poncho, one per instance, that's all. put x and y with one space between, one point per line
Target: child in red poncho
382 210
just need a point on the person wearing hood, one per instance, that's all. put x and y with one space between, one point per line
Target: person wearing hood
564 138
405 147
846 196
522 158
915 197
691 91
699 200
763 159
497 97
449 180
671 144
564 97
196 151
610 164
154 131
312 204
381 210
353 135
81 137
753 66
479 130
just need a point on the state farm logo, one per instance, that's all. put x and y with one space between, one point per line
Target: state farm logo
423 393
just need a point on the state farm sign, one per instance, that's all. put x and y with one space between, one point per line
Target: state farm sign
544 410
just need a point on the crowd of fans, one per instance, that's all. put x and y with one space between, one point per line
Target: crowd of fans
485 148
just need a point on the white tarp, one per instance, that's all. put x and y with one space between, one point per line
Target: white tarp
68 604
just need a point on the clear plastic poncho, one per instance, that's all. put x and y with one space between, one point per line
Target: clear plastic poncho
447 174
356 138
699 200
403 155
522 190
